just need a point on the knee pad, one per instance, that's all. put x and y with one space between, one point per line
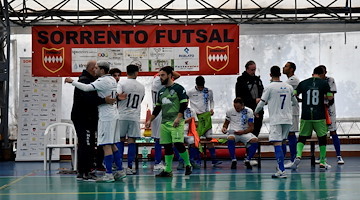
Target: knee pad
180 147
302 139
168 149
322 140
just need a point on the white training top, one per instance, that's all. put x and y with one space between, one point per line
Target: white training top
130 108
105 86
294 82
279 96
201 101
155 88
331 82
239 120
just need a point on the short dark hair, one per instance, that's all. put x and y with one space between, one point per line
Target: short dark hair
200 81
104 65
275 71
318 70
250 62
114 70
292 65
238 100
324 68
131 69
167 69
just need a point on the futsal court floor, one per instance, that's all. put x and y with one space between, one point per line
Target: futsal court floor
28 181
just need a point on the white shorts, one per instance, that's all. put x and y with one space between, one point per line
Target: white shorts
128 128
189 139
106 133
208 133
155 127
245 138
295 124
332 113
279 132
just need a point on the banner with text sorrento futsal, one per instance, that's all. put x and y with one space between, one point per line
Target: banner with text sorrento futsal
202 49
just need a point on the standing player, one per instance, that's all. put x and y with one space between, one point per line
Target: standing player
332 112
313 90
241 121
278 96
202 101
128 124
172 101
289 71
155 124
105 86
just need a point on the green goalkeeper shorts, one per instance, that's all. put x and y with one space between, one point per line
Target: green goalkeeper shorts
307 126
169 134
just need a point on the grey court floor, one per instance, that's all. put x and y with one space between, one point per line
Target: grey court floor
28 181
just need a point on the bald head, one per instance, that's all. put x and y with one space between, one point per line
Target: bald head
90 67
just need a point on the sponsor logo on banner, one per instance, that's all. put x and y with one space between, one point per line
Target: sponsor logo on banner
53 59
217 57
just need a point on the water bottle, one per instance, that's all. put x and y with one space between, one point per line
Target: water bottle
144 154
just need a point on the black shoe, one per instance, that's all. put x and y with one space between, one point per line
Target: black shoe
89 178
247 164
233 164
164 174
80 177
188 170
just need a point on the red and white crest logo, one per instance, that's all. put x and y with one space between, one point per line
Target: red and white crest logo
217 57
53 59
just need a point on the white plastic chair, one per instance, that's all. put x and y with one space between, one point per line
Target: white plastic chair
60 135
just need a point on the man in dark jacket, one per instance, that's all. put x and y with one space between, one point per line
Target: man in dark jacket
84 115
250 88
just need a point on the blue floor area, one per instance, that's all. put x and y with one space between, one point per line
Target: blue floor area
28 180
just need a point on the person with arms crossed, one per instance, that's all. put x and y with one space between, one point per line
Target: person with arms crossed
128 124
202 101
172 101
105 85
289 71
250 88
313 91
240 121
279 97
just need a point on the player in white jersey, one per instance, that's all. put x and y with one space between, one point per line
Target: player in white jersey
107 137
155 124
279 97
332 113
289 70
128 124
202 101
241 121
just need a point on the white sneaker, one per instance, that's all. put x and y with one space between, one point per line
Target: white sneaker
296 163
324 166
120 174
253 162
290 165
279 174
340 161
159 167
106 178
130 171
317 161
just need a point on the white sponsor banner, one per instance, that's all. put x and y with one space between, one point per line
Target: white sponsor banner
148 59
39 106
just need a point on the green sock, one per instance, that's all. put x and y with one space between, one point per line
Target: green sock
168 162
322 154
185 156
299 149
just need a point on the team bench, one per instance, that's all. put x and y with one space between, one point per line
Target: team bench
344 139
